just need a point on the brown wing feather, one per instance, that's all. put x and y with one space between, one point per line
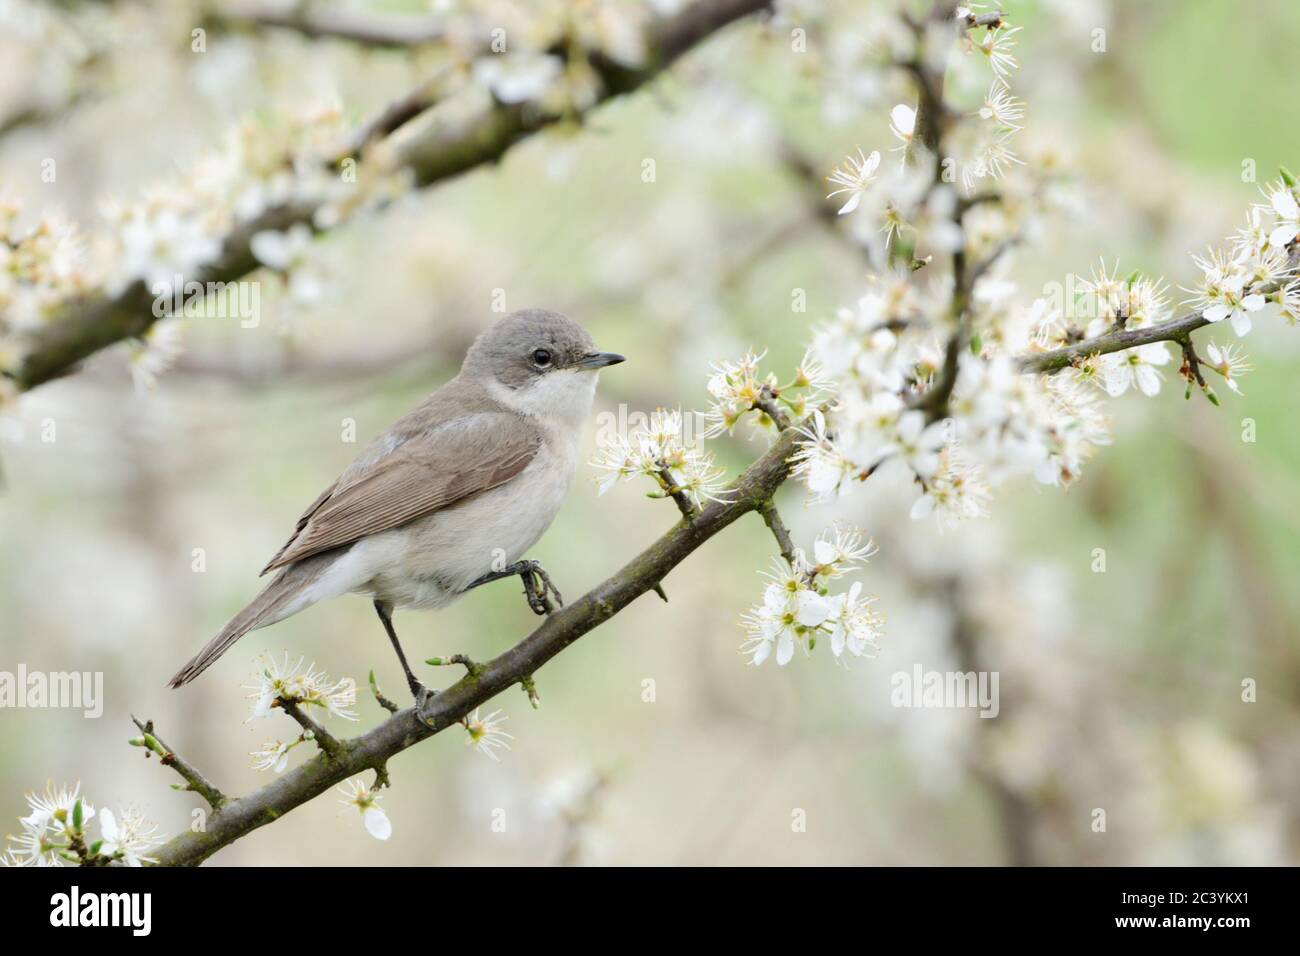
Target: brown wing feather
302 523
427 473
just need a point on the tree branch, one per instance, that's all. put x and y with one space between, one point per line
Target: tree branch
1118 340
358 26
678 494
436 152
311 728
1175 330
772 518
372 750
194 780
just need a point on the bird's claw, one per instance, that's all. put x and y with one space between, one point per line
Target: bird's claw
537 586
422 695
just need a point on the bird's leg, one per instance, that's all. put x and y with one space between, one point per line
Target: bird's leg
537 584
420 692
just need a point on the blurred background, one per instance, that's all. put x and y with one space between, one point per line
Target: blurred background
1119 691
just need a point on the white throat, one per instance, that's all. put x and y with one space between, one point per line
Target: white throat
560 398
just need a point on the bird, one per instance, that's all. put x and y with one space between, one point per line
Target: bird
448 498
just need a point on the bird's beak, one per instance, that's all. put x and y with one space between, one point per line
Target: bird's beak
599 360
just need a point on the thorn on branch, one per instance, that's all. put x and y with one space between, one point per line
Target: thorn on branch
530 688
772 518
194 780
1191 370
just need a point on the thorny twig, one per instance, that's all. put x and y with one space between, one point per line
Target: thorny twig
194 780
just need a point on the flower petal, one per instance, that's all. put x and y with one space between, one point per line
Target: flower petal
785 647
1148 379
1284 204
377 823
903 118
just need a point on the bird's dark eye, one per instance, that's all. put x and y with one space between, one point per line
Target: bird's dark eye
541 358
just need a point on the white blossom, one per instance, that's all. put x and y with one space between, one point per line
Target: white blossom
289 253
155 352
737 388
659 451
787 616
35 846
518 77
278 680
56 817
838 551
852 623
485 734
131 837
954 492
274 755
854 177
55 807
796 608
1283 202
1230 301
166 247
918 443
997 44
358 794
902 123
1229 361
1002 108
1136 366
820 465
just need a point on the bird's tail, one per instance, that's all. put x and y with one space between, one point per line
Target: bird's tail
285 595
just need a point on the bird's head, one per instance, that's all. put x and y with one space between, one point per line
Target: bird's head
540 363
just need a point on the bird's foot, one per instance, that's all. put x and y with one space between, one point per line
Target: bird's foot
421 694
538 587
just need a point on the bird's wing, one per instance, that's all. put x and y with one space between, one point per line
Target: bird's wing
302 523
429 471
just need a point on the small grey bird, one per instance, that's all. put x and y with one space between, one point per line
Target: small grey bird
451 496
